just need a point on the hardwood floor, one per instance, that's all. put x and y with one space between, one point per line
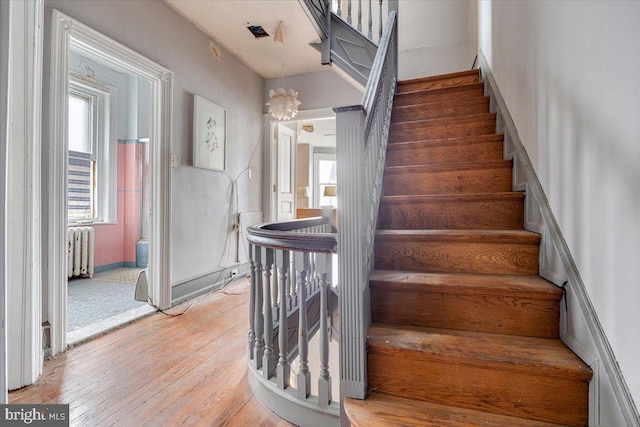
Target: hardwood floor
161 371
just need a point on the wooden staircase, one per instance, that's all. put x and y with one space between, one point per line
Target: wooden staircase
465 332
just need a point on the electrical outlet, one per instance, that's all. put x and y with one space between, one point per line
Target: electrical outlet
234 273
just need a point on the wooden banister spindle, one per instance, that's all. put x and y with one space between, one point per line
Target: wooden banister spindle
290 286
370 32
274 291
324 381
301 261
268 359
283 369
295 288
252 304
380 16
359 26
349 21
258 317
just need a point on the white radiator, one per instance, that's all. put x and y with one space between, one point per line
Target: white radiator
80 252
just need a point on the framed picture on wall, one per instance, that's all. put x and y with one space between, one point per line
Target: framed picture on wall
209 134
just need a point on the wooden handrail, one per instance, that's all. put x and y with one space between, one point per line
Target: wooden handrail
283 235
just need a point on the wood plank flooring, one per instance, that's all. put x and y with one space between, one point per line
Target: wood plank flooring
161 371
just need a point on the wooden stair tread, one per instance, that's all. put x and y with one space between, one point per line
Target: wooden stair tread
465 197
404 84
539 356
435 105
403 145
434 109
495 284
443 121
478 236
444 90
385 410
443 167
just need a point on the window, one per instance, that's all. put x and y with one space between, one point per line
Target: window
91 179
324 173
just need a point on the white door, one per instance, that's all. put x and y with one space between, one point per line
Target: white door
285 184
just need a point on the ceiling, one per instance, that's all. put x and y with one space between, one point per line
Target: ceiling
226 22
322 135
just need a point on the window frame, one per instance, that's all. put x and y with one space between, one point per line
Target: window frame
104 144
317 157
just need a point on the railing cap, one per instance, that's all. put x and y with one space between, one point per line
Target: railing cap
283 235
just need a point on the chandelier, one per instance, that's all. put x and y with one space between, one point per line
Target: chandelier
283 104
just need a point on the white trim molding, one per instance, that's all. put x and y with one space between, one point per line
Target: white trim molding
580 328
4 115
67 33
22 194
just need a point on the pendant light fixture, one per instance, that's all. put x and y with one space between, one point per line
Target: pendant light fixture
283 104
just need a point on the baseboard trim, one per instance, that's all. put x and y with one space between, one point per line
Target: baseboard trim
194 287
539 218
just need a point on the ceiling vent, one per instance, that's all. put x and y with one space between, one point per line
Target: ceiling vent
257 31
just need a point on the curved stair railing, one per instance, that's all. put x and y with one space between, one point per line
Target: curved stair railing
293 300
292 297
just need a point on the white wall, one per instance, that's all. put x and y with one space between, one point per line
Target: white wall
201 199
434 37
323 89
569 74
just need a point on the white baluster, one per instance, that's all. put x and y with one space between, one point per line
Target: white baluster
274 293
258 318
370 32
252 304
301 261
294 290
268 359
349 12
359 26
283 370
324 381
290 286
339 12
380 30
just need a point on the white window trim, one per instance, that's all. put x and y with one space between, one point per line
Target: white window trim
105 143
316 175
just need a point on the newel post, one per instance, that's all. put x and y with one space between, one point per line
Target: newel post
352 277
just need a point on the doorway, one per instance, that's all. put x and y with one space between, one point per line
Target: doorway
302 153
80 52
107 186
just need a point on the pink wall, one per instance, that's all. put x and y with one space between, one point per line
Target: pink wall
116 243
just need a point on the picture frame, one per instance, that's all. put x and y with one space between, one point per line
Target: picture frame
209 134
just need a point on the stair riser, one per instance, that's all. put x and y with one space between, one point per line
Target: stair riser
419 131
423 154
511 315
415 182
438 84
431 111
508 390
493 214
413 98
457 257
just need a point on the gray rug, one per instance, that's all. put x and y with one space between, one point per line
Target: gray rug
90 301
